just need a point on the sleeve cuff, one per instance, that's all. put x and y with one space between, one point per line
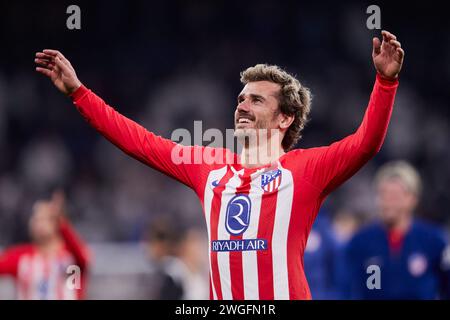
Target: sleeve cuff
387 82
79 93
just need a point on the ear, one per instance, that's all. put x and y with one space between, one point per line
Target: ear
286 121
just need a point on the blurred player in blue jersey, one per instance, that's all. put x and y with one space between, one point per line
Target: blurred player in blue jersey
320 258
412 256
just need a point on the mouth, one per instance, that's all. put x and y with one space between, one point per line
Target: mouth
244 120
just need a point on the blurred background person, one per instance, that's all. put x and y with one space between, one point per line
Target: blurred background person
325 250
412 255
41 268
345 224
192 251
320 258
177 254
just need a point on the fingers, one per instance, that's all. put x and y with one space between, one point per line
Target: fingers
61 65
401 53
55 53
395 43
52 52
42 55
387 36
44 63
390 43
56 57
376 46
44 60
44 71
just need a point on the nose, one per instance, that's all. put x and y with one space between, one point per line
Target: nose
243 106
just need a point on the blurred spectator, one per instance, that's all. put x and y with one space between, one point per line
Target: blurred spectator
177 256
320 259
345 224
192 251
42 268
413 256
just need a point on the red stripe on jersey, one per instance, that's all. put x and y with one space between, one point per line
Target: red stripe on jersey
299 228
236 269
211 295
214 222
265 231
60 285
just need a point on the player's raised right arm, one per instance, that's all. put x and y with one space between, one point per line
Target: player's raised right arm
126 134
54 65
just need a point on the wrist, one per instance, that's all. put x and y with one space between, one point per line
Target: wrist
386 80
79 93
72 90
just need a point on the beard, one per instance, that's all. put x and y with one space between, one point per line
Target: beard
250 129
258 135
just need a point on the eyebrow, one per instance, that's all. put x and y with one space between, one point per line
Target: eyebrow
252 95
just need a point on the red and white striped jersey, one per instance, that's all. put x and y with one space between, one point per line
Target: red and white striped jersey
258 219
40 277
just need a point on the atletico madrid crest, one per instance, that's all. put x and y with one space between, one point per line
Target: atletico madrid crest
270 181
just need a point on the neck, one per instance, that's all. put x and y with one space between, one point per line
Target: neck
51 246
402 225
262 152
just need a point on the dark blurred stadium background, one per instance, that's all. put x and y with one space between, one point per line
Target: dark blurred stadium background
168 63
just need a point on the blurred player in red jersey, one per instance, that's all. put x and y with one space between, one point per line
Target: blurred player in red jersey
41 268
259 205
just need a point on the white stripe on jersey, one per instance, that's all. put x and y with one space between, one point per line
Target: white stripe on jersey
280 236
53 279
24 274
214 175
223 258
37 271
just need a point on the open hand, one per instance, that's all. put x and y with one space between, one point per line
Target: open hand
387 55
54 65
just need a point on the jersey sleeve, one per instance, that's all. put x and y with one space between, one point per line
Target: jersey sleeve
75 245
159 153
328 167
9 260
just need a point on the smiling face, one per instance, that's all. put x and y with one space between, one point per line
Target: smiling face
258 109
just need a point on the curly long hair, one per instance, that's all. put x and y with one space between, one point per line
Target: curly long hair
293 99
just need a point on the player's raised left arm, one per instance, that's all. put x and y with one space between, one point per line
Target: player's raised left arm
387 58
330 166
